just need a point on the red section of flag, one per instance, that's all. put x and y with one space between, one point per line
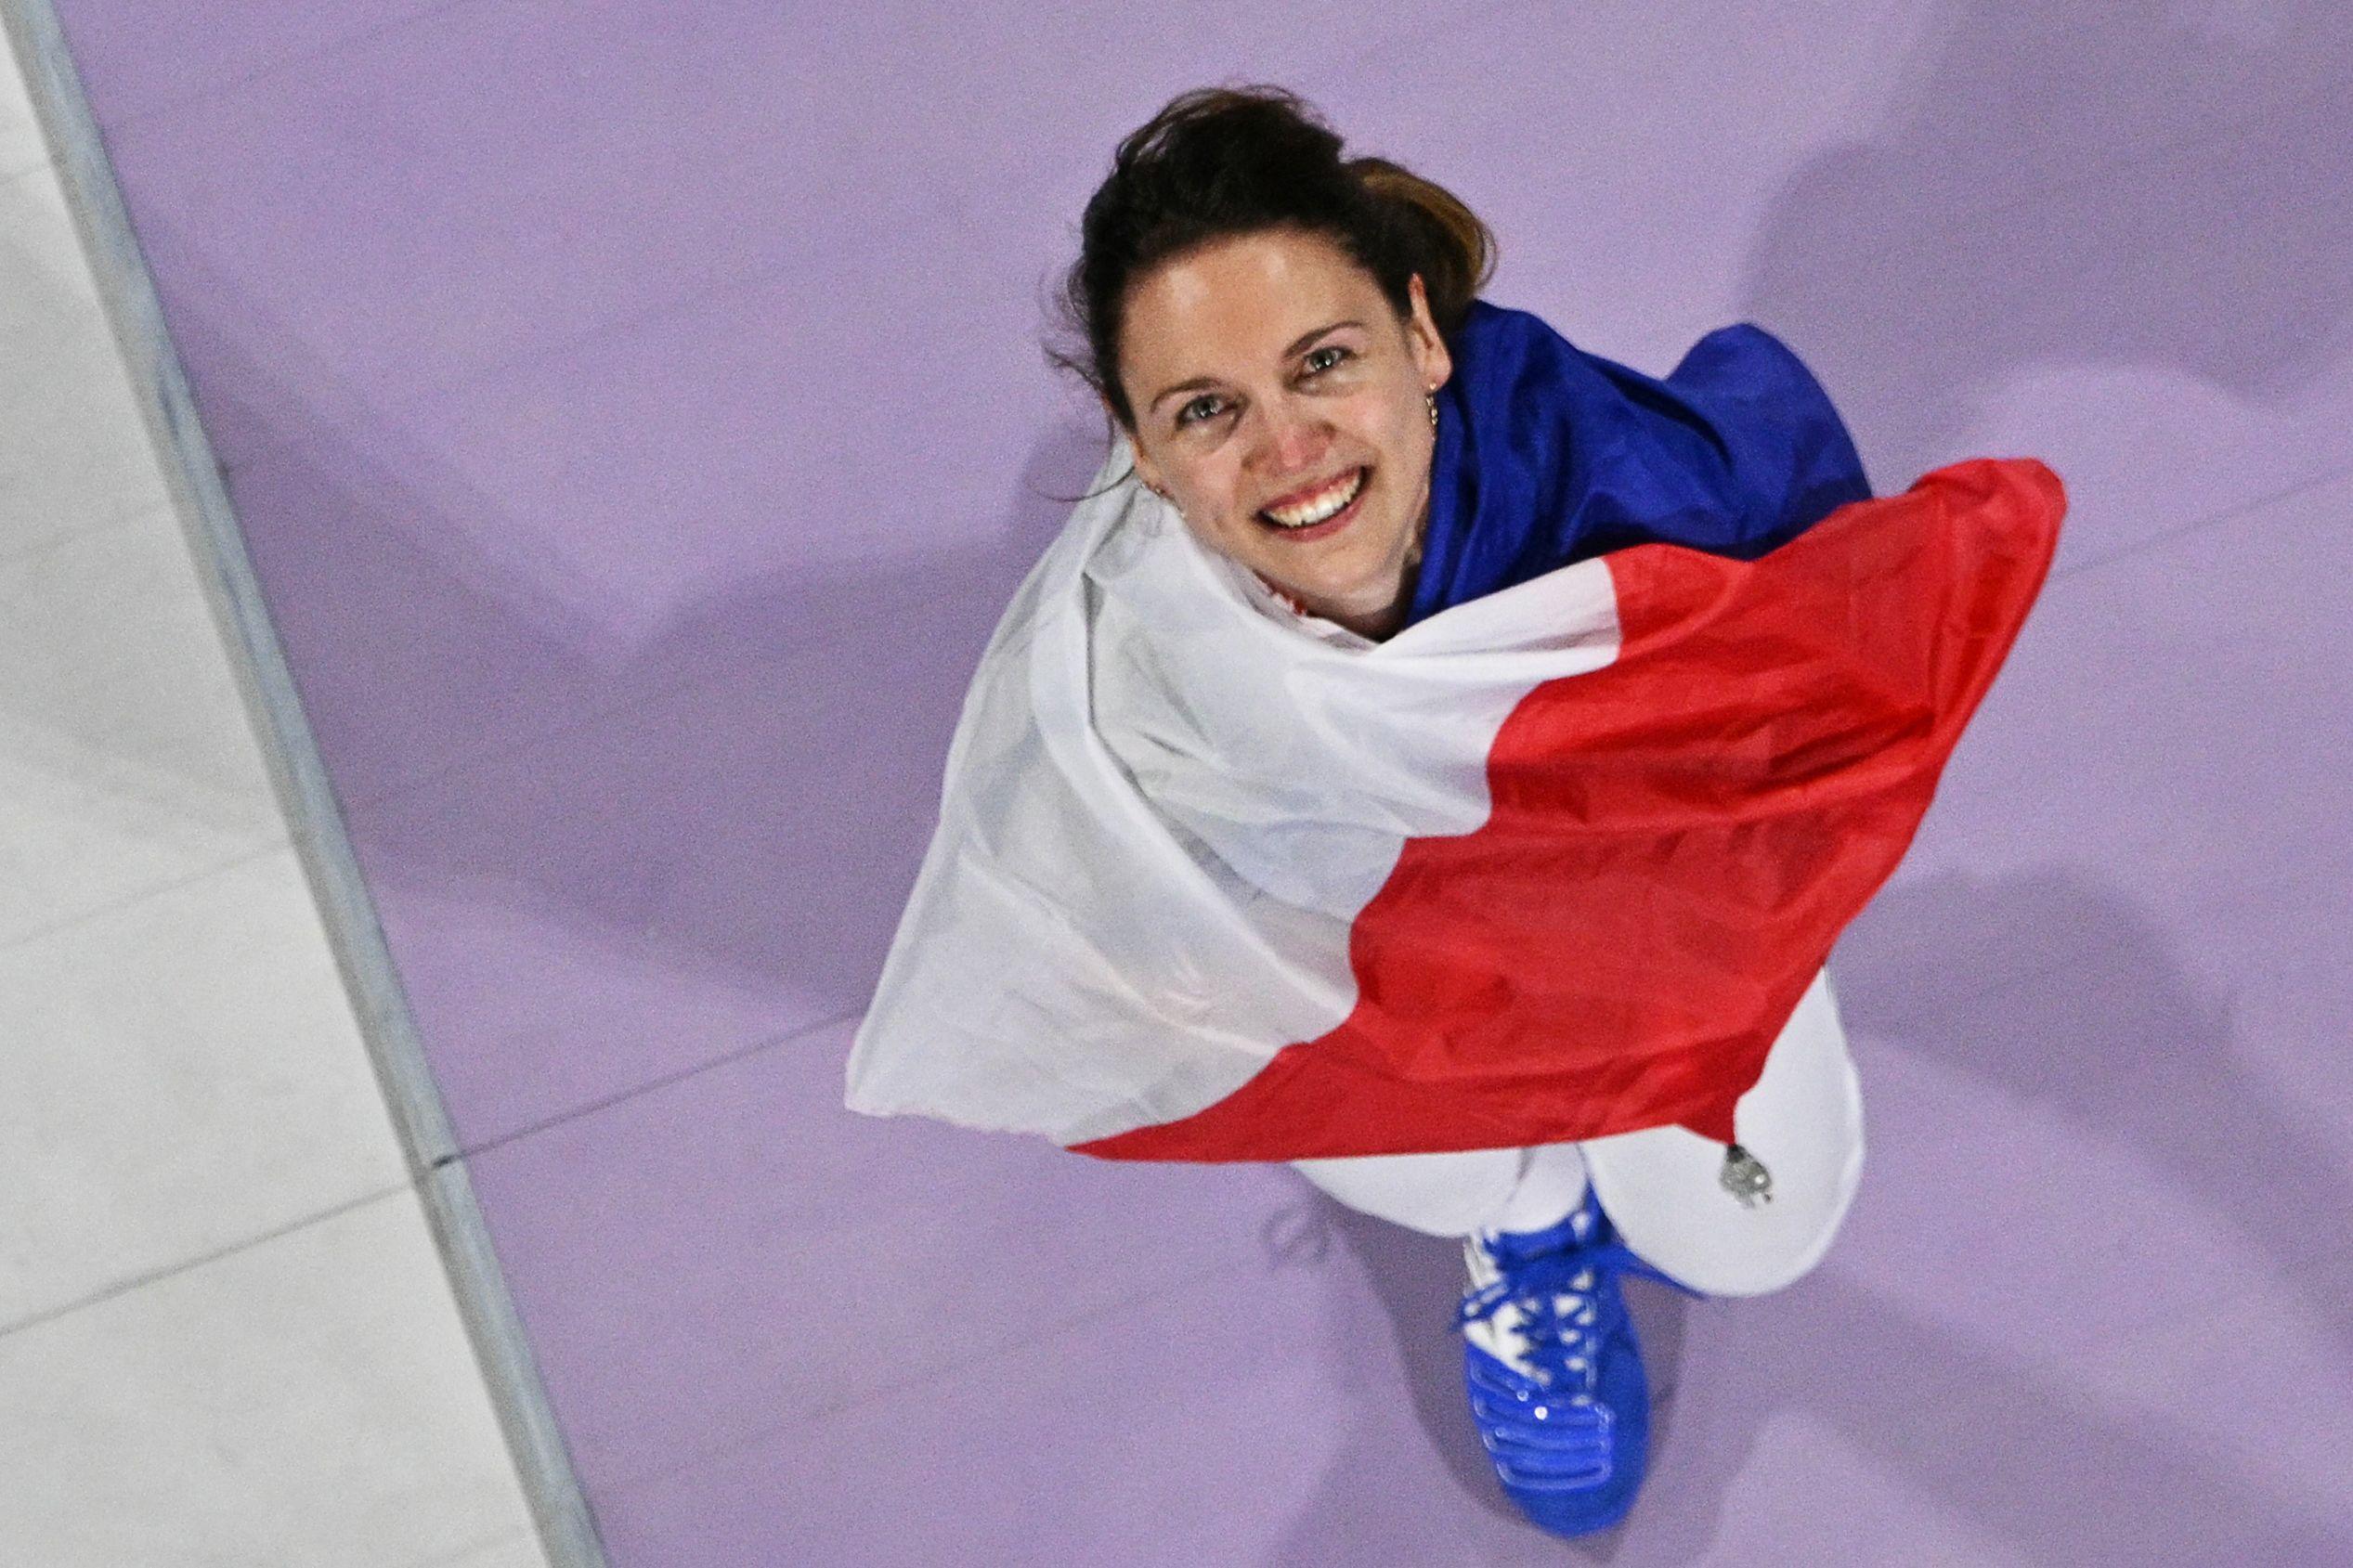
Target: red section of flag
1676 840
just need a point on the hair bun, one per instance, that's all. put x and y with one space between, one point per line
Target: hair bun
1456 249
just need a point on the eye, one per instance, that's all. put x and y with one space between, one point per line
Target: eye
1190 412
1333 348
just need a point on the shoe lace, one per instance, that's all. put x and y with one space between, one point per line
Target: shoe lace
1564 1315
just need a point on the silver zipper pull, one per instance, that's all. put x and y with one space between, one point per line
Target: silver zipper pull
1744 1176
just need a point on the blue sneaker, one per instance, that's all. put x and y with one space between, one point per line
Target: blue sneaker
1555 1370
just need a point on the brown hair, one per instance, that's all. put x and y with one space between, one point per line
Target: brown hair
1220 161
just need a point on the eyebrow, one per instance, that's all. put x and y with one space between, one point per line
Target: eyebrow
1297 344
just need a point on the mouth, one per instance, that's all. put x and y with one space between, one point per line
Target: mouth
1321 512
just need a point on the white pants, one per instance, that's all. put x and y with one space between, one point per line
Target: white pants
1660 1187
1456 1194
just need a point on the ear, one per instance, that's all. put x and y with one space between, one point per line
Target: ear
1421 336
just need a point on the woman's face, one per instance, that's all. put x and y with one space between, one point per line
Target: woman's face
1270 379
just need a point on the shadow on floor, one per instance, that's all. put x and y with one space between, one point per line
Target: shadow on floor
2056 992
2082 183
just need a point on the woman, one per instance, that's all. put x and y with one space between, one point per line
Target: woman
1453 778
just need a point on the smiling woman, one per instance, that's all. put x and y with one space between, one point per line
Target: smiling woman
1266 321
1450 778
1288 413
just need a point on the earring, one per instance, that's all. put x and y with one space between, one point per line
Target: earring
1430 398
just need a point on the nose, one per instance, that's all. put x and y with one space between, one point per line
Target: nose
1293 440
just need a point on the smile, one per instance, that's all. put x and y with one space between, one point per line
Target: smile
1321 511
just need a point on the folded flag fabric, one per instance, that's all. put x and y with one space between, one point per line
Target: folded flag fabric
1557 861
1547 454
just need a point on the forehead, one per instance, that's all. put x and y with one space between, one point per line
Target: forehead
1232 304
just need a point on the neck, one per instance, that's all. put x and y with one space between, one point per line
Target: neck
1377 620
1379 625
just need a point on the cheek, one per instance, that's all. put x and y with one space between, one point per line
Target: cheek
1406 446
1223 494
1403 431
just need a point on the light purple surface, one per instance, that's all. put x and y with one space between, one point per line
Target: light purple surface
636 416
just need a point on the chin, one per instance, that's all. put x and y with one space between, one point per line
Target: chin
1353 598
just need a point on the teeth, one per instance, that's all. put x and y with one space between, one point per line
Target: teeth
1309 514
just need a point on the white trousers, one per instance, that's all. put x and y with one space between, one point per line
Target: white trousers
1661 1186
1456 1194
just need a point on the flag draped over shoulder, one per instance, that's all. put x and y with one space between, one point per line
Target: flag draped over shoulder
1547 454
1213 881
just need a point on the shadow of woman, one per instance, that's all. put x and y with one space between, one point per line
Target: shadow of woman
2056 991
734 798
2068 184
2062 995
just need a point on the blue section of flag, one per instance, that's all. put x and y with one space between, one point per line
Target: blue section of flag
1547 455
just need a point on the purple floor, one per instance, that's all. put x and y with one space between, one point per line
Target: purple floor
637 417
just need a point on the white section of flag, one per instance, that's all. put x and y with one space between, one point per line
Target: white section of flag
1166 800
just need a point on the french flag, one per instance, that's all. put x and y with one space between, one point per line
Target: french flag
1552 864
